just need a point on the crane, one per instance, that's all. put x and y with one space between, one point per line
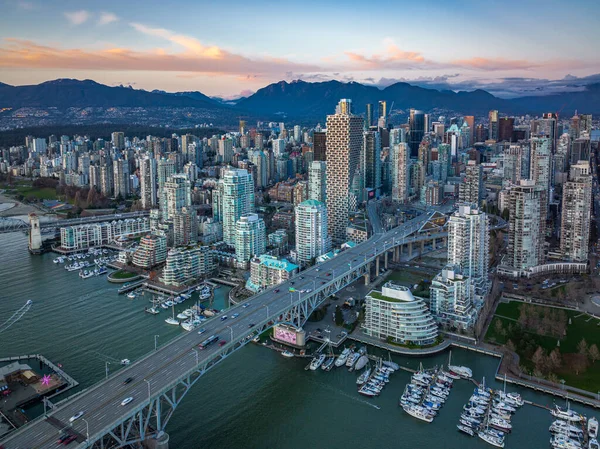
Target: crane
16 316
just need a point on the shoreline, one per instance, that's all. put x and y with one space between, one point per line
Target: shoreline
18 207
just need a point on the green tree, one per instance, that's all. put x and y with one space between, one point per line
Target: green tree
339 318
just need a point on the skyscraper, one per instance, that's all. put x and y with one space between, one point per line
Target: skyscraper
259 159
382 110
250 237
371 163
317 181
470 120
471 189
505 129
493 125
225 150
185 227
512 163
121 178
237 199
148 179
166 168
417 130
344 144
576 211
400 172
118 140
278 147
320 145
540 163
177 194
311 231
368 116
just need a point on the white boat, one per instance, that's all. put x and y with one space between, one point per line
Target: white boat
317 362
342 357
592 427
491 438
465 429
125 362
188 325
367 391
164 305
172 321
391 364
182 316
593 444
565 428
153 310
566 415
363 377
352 361
361 362
287 354
563 442
419 412
500 424
328 363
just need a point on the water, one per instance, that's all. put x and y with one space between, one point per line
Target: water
253 399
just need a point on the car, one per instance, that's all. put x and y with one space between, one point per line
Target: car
69 439
276 290
301 277
235 315
222 343
201 331
127 400
308 290
61 439
250 325
292 282
319 329
323 282
76 416
128 380
224 317
317 269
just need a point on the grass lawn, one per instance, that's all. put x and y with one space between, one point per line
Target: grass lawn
122 275
581 327
43 193
408 277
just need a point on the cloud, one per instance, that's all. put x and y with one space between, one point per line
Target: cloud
196 58
191 44
391 58
106 18
77 17
26 5
496 64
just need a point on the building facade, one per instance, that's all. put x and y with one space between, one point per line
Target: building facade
151 251
311 231
451 299
266 271
576 212
187 265
250 238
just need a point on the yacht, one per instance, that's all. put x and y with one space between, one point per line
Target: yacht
125 362
164 305
317 362
153 310
182 316
363 377
562 442
287 354
419 412
513 398
352 361
465 429
491 438
566 415
361 362
500 424
342 357
185 296
188 325
367 391
328 364
592 427
131 295
85 274
100 271
593 444
564 428
461 371
390 364
172 321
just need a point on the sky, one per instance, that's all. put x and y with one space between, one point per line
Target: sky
233 48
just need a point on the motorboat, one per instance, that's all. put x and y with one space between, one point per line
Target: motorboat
164 305
188 325
566 415
361 362
593 444
419 412
125 362
491 438
131 295
328 364
85 274
182 316
363 377
366 391
565 428
342 357
511 398
563 442
172 321
461 371
500 424
153 310
317 362
592 427
390 364
352 358
465 429
287 354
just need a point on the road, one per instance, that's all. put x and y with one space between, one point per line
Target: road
101 404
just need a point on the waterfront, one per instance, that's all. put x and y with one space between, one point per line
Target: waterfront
255 398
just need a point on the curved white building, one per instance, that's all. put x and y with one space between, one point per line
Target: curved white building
395 312
312 240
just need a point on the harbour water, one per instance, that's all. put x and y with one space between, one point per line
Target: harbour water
253 399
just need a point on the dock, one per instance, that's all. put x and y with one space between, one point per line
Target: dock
133 286
224 282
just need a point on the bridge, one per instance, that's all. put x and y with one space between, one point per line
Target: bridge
11 224
161 379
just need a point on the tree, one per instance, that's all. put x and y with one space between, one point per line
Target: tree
555 358
539 359
510 346
339 318
498 326
594 353
582 347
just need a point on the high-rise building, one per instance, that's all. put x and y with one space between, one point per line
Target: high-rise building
237 199
505 129
576 211
185 265
259 159
250 237
297 133
368 116
151 251
540 164
165 168
118 140
371 163
470 120
320 145
400 172
525 239
512 163
382 110
451 301
580 149
267 270
121 178
148 180
417 131
185 227
471 189
106 179
311 231
317 181
469 245
493 125
177 191
278 147
225 150
344 144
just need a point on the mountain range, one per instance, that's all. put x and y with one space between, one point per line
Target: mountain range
298 100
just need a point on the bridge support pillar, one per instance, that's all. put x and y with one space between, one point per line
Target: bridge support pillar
161 442
35 234
433 244
385 260
377 266
368 274
422 247
410 250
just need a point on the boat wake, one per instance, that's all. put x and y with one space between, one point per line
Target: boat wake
343 393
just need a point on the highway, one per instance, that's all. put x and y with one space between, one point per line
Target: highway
101 403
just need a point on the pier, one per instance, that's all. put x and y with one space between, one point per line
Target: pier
224 282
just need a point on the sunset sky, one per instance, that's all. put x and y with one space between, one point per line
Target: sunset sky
236 47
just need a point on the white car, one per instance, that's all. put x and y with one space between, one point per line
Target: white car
76 417
127 400
235 315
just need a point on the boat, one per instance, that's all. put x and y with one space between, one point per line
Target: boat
563 442
85 274
153 310
566 415
182 316
328 364
125 362
363 377
465 429
131 295
352 358
101 271
164 305
419 412
317 362
458 370
593 444
592 427
342 357
188 325
564 428
287 354
491 438
172 321
366 391
501 424
208 313
391 364
361 362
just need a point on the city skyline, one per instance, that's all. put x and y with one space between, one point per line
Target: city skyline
207 51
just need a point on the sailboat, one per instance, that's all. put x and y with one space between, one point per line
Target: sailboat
462 371
172 320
